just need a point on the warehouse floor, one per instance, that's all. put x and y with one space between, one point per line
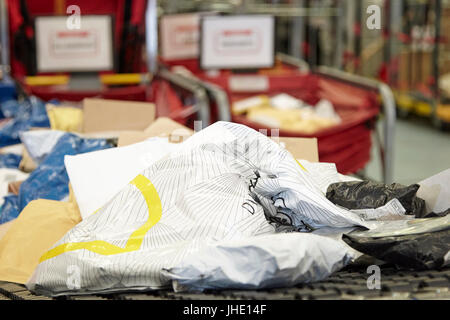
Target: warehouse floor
420 152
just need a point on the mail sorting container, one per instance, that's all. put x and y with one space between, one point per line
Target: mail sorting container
48 92
20 30
180 99
173 95
357 100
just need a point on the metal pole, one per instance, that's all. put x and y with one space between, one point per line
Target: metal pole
438 12
340 20
388 109
298 27
151 36
357 28
4 43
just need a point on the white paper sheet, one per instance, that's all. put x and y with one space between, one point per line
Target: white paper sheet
435 190
393 210
97 176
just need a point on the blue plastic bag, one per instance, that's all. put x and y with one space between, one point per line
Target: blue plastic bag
10 208
29 113
7 91
10 108
50 180
10 160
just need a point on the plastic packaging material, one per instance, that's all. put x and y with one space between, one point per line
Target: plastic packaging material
244 105
65 118
435 190
10 108
10 160
325 109
372 195
8 176
15 109
285 101
30 113
437 214
260 262
287 112
10 208
50 180
416 244
225 183
39 143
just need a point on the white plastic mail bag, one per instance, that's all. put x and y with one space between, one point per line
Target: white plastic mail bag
227 182
268 261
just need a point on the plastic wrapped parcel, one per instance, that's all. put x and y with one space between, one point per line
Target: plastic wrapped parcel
225 183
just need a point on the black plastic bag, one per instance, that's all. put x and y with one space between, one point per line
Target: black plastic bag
438 214
372 195
416 251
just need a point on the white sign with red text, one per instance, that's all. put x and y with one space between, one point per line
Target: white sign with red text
89 48
237 42
180 36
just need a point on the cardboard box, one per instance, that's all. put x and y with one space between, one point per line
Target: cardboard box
161 127
103 118
301 148
102 115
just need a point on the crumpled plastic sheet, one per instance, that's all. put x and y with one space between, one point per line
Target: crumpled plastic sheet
39 143
10 160
225 183
25 114
419 244
372 195
435 190
50 180
233 266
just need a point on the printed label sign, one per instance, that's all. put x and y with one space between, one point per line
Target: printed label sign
248 83
86 49
237 42
180 36
73 43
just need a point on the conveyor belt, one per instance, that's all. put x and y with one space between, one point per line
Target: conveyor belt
347 284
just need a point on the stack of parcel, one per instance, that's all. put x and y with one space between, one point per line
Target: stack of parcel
104 197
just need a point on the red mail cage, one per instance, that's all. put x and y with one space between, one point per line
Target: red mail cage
173 96
357 100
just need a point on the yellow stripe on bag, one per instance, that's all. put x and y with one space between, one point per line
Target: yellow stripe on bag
153 201
301 165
